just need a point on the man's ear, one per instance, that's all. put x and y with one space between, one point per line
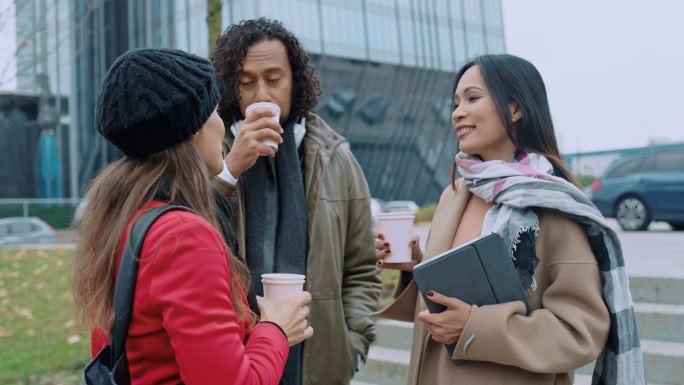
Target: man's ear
515 111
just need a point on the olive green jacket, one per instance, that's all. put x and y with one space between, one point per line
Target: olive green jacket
340 266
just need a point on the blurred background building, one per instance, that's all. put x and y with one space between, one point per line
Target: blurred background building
386 69
34 117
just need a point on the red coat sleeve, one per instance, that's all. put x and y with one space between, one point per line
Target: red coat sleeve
191 289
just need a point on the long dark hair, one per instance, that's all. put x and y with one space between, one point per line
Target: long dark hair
231 48
511 79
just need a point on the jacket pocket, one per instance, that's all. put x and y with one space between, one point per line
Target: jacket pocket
341 236
328 354
351 352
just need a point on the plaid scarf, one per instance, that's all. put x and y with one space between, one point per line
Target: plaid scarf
527 182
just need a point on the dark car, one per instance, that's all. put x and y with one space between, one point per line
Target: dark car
643 187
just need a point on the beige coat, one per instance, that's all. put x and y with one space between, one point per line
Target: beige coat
340 266
566 330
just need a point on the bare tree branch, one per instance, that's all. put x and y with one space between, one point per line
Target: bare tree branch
31 38
76 23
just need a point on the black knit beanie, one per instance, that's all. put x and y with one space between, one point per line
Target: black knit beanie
152 99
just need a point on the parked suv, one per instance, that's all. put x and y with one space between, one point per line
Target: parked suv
642 187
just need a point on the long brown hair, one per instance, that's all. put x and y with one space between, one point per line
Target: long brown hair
511 79
176 175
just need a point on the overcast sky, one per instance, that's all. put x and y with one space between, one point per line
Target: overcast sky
614 69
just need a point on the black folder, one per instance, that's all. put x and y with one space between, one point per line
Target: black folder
480 272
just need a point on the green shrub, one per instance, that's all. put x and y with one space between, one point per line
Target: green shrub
426 213
7 211
58 216
586 180
389 280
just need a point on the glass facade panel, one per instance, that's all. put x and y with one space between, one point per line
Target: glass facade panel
301 17
426 39
383 39
199 32
243 9
396 122
458 35
344 31
494 26
474 21
181 22
443 24
407 34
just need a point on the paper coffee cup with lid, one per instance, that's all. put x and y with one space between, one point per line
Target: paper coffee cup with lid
279 286
397 228
271 106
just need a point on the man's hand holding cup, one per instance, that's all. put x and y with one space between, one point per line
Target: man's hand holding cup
259 135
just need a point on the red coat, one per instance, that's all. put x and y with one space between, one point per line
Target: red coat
184 326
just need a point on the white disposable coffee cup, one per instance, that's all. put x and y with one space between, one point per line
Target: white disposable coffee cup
397 228
278 287
276 118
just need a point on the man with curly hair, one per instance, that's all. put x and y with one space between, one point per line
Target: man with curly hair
304 208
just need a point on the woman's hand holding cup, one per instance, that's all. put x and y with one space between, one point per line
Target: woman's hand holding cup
290 315
383 249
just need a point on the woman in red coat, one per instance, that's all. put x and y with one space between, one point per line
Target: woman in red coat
191 322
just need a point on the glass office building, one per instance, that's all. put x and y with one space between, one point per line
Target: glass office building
386 69
34 116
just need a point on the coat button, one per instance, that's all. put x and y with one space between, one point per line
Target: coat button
468 342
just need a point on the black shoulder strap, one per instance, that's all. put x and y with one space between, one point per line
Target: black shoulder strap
126 279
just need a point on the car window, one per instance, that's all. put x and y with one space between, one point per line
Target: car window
21 227
624 169
645 164
4 230
641 164
671 162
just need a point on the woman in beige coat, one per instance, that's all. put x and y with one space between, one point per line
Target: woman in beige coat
513 182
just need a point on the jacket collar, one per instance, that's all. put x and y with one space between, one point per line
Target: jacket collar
321 136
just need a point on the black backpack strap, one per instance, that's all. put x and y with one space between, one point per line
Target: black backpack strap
126 279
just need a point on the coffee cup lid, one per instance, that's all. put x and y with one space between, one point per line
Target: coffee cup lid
282 283
390 213
396 215
276 282
283 276
270 105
